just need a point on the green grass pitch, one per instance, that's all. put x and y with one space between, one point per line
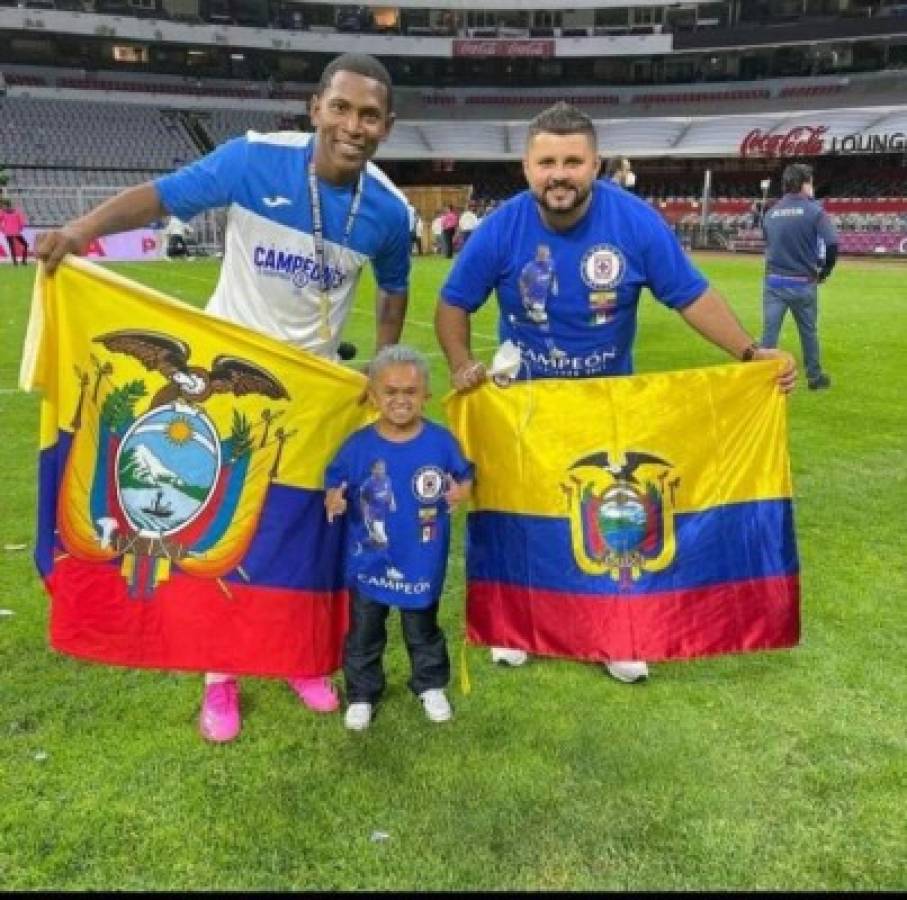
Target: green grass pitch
780 770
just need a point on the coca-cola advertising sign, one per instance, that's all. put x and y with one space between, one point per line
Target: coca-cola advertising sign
804 140
499 47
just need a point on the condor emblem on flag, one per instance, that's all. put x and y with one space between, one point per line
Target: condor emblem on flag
180 520
618 525
645 517
161 487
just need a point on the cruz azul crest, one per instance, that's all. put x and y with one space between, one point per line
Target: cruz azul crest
165 486
621 514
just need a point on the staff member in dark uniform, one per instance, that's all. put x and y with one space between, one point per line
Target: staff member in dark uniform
797 230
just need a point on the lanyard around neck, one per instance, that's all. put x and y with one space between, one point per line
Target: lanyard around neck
318 225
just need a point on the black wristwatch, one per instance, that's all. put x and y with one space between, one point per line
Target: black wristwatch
750 352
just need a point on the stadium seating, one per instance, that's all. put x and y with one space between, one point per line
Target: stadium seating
732 96
223 124
811 90
452 139
79 134
52 196
405 139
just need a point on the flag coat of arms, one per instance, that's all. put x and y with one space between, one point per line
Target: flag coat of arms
646 517
180 511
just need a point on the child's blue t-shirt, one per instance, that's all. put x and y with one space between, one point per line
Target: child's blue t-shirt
398 532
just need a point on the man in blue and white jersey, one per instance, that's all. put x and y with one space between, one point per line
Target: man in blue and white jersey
272 275
604 245
305 213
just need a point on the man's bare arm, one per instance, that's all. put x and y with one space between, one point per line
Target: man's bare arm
454 333
390 314
133 208
713 318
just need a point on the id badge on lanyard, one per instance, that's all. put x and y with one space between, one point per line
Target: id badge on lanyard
324 297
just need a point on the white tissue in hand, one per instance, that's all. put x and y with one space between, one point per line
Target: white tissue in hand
506 360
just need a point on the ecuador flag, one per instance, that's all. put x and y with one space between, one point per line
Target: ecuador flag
180 513
645 517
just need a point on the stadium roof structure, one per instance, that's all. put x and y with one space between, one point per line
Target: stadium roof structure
802 133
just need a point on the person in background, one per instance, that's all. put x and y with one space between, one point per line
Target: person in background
467 223
801 249
12 224
449 222
415 234
619 170
437 232
176 233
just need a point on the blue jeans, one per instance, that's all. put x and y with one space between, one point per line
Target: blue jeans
804 307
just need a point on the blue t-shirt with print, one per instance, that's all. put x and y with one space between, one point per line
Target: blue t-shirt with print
398 533
569 299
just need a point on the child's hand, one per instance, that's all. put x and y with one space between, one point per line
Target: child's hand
335 502
457 492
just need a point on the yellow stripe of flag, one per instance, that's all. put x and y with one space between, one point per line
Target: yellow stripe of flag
722 428
83 301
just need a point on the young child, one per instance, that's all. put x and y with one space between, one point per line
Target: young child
398 479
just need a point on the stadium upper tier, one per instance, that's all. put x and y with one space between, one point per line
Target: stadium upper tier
439 29
887 88
79 133
651 51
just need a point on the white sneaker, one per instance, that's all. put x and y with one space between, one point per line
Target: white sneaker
358 716
628 672
511 657
436 705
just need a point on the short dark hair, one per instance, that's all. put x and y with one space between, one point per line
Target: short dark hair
795 176
614 165
562 118
358 64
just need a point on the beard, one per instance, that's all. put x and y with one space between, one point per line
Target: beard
580 195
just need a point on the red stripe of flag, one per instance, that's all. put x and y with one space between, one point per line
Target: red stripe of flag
726 618
192 624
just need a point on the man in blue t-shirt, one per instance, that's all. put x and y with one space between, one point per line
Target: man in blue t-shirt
605 246
801 248
283 273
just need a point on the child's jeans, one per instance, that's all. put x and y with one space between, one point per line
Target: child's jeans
367 638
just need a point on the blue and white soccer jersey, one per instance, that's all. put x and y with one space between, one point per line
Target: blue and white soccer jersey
585 324
270 279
